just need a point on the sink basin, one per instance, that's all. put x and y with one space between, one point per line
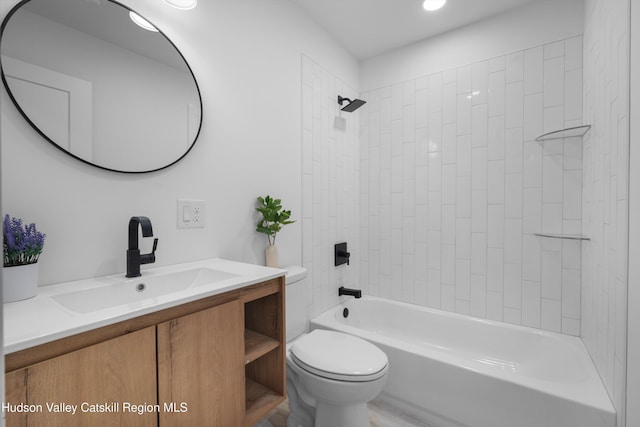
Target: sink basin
134 290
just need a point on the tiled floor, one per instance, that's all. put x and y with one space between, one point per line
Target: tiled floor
380 414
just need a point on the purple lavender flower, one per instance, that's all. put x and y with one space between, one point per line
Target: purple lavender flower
22 244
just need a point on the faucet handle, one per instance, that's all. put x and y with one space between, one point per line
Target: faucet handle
155 246
150 258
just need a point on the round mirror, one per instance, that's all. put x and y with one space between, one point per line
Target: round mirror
98 85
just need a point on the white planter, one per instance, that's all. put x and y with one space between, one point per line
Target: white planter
19 282
271 256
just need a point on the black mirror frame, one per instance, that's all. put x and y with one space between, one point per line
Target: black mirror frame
38 130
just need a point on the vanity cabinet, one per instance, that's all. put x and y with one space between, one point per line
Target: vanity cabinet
218 361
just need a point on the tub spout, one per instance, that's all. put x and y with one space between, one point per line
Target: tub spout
346 291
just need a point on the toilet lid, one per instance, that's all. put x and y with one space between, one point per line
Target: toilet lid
339 356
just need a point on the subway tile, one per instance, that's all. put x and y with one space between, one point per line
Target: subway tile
421 187
408 198
513 241
409 92
495 269
553 82
496 138
434 208
463 197
479 253
385 115
422 146
435 172
433 288
463 106
514 105
434 254
532 210
532 166
449 98
448 297
552 218
571 326
496 64
513 196
420 262
479 168
513 150
421 224
396 138
478 296
572 195
396 174
408 161
495 226
571 294
463 279
449 143
462 305
533 70
479 82
550 318
551 275
450 76
512 315
512 286
449 225
479 123
515 67
531 258
463 238
435 92
495 182
397 101
554 50
573 53
479 211
449 184
448 266
422 83
464 80
571 254
573 94
553 119
531 303
533 116
552 179
494 306
463 150
409 123
573 153
497 93
422 108
435 131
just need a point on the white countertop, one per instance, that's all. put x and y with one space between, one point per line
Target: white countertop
41 319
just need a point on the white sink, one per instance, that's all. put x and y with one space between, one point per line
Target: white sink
133 291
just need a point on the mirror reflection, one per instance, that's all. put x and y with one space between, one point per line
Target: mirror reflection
98 86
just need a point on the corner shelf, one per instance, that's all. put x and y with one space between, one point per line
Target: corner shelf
563 236
565 133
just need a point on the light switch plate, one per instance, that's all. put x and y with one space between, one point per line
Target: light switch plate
191 213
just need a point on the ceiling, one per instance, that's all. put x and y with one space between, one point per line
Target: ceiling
369 27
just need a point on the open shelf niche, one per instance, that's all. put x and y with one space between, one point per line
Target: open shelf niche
569 132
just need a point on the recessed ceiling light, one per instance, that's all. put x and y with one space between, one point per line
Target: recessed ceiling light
141 22
432 5
182 4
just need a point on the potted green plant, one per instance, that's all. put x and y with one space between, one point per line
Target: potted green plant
22 246
274 217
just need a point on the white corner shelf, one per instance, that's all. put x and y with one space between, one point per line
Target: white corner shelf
565 133
563 236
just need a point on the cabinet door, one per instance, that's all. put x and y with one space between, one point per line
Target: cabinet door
201 368
99 383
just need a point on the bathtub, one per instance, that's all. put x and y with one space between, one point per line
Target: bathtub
453 370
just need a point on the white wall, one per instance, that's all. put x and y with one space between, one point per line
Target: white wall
330 187
456 187
605 192
246 57
633 298
535 24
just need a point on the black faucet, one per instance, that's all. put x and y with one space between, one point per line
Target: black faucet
346 291
134 259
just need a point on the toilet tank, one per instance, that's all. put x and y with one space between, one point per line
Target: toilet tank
297 297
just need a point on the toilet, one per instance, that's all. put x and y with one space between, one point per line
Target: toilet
330 375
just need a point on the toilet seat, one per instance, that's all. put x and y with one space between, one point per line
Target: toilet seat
339 356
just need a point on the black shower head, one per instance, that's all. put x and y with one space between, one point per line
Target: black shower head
352 105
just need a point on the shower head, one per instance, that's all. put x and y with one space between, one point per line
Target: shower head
352 105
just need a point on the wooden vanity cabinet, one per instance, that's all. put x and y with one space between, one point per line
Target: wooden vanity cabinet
215 362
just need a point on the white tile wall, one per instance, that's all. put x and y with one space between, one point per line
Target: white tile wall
469 186
605 187
331 179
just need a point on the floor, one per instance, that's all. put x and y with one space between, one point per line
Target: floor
380 414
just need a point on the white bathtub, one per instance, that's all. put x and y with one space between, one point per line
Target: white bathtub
455 370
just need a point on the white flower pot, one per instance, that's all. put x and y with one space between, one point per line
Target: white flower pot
271 256
19 282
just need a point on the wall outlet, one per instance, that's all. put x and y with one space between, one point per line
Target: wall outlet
191 213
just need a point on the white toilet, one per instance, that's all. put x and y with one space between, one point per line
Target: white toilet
330 375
